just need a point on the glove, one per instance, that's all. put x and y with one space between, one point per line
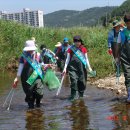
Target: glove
56 57
63 73
15 82
92 73
47 66
90 69
110 51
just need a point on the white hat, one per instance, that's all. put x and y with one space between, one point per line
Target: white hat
58 44
29 46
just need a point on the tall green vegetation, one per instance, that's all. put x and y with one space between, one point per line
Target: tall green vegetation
13 36
117 13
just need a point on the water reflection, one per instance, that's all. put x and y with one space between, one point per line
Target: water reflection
35 120
60 114
121 116
6 80
79 115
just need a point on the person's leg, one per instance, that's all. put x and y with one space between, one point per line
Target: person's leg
73 86
29 94
82 82
81 88
38 101
126 68
31 101
116 66
38 92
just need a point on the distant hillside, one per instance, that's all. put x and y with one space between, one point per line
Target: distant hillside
121 10
118 12
71 18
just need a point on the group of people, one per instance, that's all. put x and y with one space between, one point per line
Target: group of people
71 59
119 48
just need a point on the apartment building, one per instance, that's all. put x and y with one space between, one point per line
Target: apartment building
32 18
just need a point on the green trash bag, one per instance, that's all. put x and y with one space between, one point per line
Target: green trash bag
51 80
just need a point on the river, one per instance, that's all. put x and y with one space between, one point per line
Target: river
99 110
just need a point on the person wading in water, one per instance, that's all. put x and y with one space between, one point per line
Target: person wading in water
77 64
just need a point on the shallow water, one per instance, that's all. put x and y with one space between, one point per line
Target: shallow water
99 110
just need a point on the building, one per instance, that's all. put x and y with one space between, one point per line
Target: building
32 18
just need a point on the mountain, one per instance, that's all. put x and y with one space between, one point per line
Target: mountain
71 18
117 13
121 10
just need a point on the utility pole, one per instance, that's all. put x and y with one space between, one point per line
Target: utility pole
107 13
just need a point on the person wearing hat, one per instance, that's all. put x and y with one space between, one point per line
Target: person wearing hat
112 41
61 53
123 52
47 55
57 46
77 64
31 74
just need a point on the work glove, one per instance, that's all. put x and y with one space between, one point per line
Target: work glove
92 73
110 51
15 82
56 57
47 66
63 73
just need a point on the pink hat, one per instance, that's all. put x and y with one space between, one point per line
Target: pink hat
29 46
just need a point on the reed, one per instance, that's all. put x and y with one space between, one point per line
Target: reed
13 35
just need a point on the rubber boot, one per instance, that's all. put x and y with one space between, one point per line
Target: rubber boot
38 104
128 91
30 104
81 94
73 95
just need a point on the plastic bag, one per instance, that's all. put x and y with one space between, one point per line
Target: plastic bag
51 80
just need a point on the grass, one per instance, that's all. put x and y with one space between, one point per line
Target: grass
13 36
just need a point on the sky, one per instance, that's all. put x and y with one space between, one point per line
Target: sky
49 6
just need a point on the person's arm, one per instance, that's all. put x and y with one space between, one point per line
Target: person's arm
16 80
66 62
87 61
51 52
110 39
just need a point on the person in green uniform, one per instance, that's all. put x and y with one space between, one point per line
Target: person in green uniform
77 64
123 52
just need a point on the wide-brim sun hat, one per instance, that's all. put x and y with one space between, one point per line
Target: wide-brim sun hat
29 46
116 23
58 44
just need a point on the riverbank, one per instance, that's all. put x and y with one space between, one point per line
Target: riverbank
110 83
